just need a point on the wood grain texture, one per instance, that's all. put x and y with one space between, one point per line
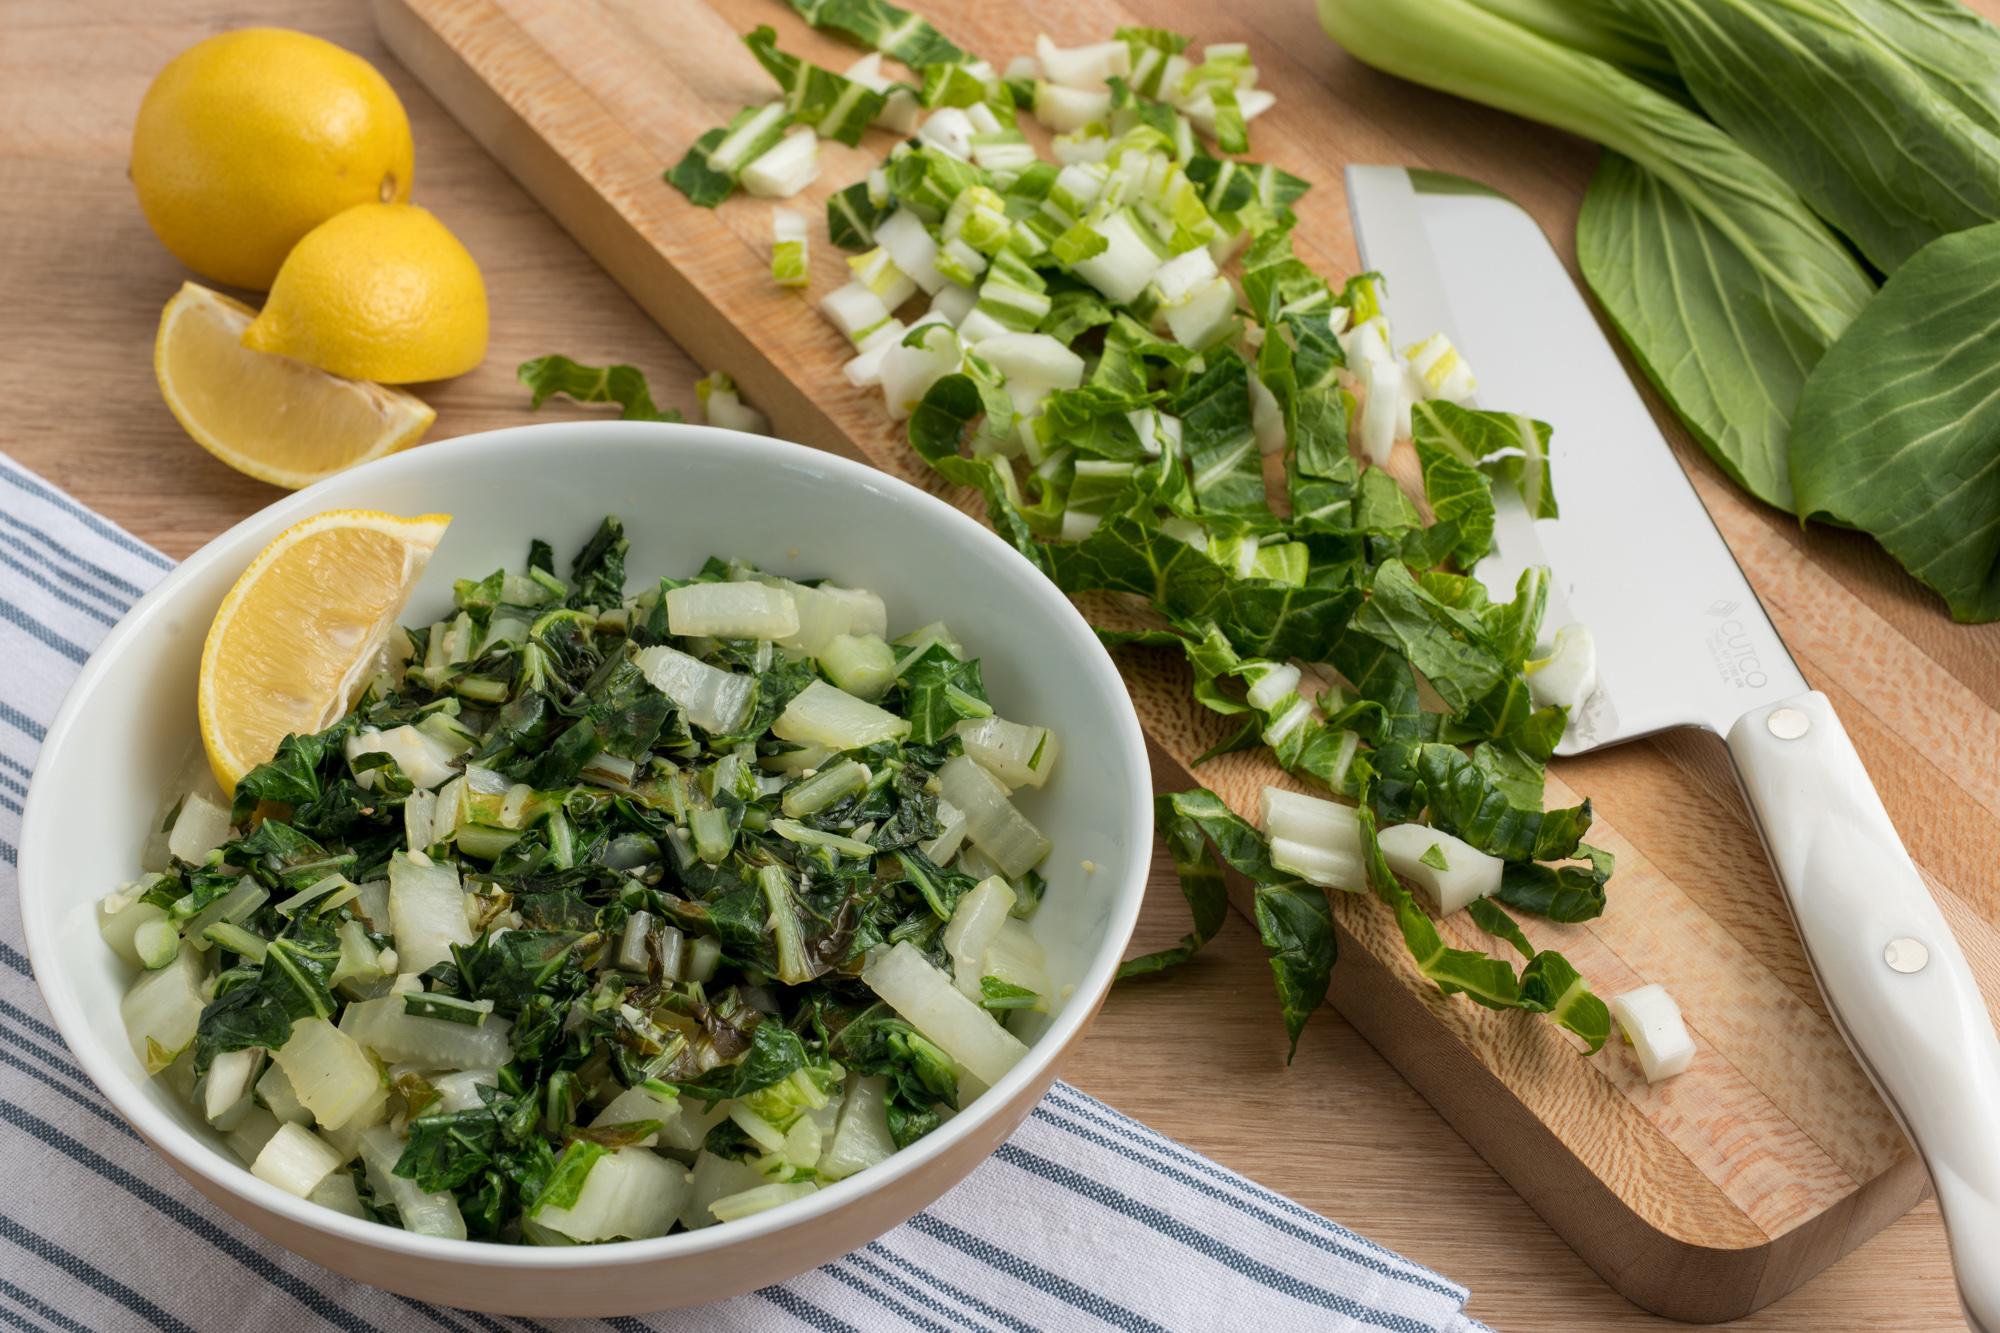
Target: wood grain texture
82 282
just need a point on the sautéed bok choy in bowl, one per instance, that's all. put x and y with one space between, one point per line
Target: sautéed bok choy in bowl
687 897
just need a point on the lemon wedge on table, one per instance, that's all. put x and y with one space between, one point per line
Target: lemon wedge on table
303 627
276 419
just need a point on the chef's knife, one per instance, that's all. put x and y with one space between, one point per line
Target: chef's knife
1682 642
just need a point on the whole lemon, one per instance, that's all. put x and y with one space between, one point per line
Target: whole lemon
381 292
248 140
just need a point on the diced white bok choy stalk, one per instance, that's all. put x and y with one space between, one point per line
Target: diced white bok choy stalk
1065 110
991 821
163 1008
911 246
742 142
1130 258
909 369
862 1137
1268 689
826 611
420 820
1451 871
790 260
732 1207
200 826
708 696
930 1003
1015 958
138 932
951 834
823 714
296 1160
387 1027
1017 754
1317 840
339 1192
274 1089
1652 1023
424 1213
722 406
423 758
879 273
1567 677
1178 278
975 923
715 1178
854 309
950 129
863 665
1441 371
228 1083
1034 363
255 1130
785 168
731 611
629 1194
329 1072
426 910
1082 66
637 1105
954 303
1204 315
459 1090
1267 417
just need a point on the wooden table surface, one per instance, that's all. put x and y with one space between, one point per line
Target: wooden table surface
1198 1054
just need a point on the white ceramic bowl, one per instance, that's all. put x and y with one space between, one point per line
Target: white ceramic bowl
128 727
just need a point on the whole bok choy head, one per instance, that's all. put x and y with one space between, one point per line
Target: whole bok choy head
1723 282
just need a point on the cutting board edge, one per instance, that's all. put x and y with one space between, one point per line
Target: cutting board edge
1671 1275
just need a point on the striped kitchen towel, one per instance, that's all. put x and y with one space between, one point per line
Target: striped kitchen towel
1084 1219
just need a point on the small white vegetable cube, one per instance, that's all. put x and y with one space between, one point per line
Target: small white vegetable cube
908 372
827 611
975 923
1271 687
928 1001
854 308
731 611
1413 850
1126 264
228 1083
862 1137
162 1010
424 1213
1017 754
785 168
1066 110
276 1090
1179 276
330 1074
1326 867
950 129
1309 819
714 1178
386 1027
255 1130
1017 958
637 1104
1204 314
339 1193
118 921
1082 66
822 714
909 243
712 698
631 1193
1567 677
426 911
863 665
423 758
296 1160
199 828
1651 1021
991 821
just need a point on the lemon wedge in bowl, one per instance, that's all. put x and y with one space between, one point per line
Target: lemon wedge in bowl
274 418
302 629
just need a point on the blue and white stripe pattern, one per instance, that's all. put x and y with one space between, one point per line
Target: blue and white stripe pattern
1085 1219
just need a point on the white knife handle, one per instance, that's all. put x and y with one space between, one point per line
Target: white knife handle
1892 973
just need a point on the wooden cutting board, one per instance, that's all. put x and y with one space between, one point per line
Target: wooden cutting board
1703 1198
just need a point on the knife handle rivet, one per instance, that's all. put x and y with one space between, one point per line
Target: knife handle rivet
1788 724
1906 954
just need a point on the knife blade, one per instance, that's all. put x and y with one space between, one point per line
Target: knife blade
1682 641
1681 638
